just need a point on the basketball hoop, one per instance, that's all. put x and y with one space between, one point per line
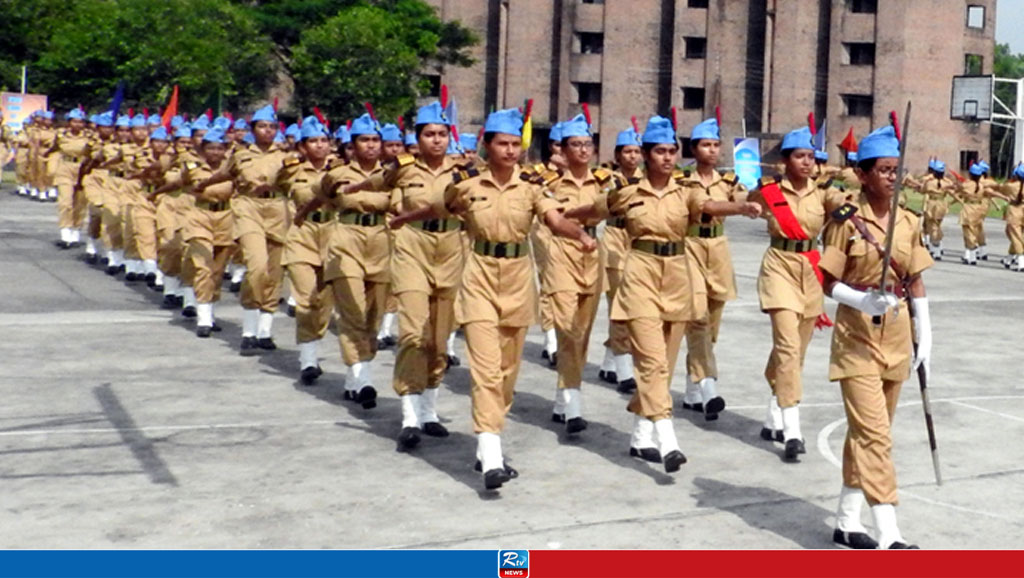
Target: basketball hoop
971 99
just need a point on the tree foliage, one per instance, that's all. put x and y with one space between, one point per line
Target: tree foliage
1004 65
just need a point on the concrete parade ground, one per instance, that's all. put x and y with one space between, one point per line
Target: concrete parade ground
120 429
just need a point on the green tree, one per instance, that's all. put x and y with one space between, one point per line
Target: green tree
20 40
207 47
1004 65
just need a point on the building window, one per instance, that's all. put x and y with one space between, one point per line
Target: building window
696 48
434 83
591 42
967 158
858 104
973 63
863 6
593 1
697 3
693 98
859 53
588 92
976 16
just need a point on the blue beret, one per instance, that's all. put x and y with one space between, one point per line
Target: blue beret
468 142
432 114
882 143
93 118
706 130
248 138
454 148
240 124
214 136
221 123
556 132
201 123
390 132
821 156
364 125
508 121
659 131
1019 172
154 119
410 140
311 128
183 131
627 138
939 167
265 114
105 119
177 120
798 139
279 137
47 114
343 135
293 131
139 121
160 133
979 168
124 121
76 114
576 127
851 156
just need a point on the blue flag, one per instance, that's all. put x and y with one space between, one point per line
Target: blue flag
819 138
115 103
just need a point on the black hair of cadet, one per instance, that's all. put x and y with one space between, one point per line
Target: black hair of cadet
649 146
866 165
420 127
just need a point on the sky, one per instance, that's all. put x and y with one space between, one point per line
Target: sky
1010 24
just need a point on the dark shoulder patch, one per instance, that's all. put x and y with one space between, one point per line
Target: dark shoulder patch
633 180
824 183
465 174
680 175
731 178
404 160
292 161
844 212
765 181
602 175
336 163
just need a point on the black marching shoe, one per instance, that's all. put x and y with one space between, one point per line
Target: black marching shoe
408 439
855 540
215 328
169 302
290 311
558 417
92 258
575 425
248 347
309 375
266 343
673 461
713 407
235 287
646 454
499 476
903 546
608 377
434 429
697 407
112 270
203 331
150 280
130 277
190 312
452 361
367 396
626 386
544 354
553 360
770 435
794 447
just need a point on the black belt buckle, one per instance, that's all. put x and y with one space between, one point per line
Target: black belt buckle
705 233
365 220
663 250
592 231
500 250
432 226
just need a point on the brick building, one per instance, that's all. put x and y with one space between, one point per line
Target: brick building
767 63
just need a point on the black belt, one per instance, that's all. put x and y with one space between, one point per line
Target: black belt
361 219
500 250
793 245
658 248
590 230
706 231
268 195
118 174
215 206
320 216
438 225
896 290
617 222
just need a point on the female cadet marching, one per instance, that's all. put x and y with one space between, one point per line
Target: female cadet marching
572 278
426 266
95 181
1014 217
172 212
71 146
789 283
498 296
357 261
871 361
209 227
973 195
261 226
935 187
392 145
617 366
305 250
708 246
144 175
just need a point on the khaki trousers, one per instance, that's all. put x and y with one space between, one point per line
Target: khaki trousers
573 315
618 333
424 323
655 344
261 288
701 337
870 403
360 305
71 206
494 356
314 302
791 334
208 263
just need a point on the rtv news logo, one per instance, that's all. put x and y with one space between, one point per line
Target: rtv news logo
513 563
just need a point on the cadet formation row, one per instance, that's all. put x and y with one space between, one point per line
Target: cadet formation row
367 220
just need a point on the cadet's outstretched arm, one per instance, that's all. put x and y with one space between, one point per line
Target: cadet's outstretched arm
583 212
726 208
422 214
563 227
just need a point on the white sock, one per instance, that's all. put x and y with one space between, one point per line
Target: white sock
608 363
791 423
707 389
643 433
204 315
264 324
489 450
848 514
428 406
773 420
560 400
238 274
76 236
410 411
150 266
90 247
624 367
250 322
573 403
65 235
159 277
451 344
550 341
354 376
171 285
119 256
982 251
885 523
189 300
692 394
385 326
292 302
667 441
308 354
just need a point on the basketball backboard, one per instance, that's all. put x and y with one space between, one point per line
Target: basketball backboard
971 98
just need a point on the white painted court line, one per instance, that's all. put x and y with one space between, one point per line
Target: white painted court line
989 411
166 428
70 318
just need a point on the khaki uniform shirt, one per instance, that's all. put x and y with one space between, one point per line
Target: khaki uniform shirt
972 194
249 168
712 255
216 227
422 261
310 242
1014 214
666 288
497 290
858 346
849 178
787 279
615 238
356 251
569 268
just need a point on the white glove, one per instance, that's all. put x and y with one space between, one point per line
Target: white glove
871 303
923 331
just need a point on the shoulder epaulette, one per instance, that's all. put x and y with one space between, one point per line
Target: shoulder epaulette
765 181
191 165
464 174
844 212
338 162
824 184
404 160
602 175
291 161
680 175
633 180
731 178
